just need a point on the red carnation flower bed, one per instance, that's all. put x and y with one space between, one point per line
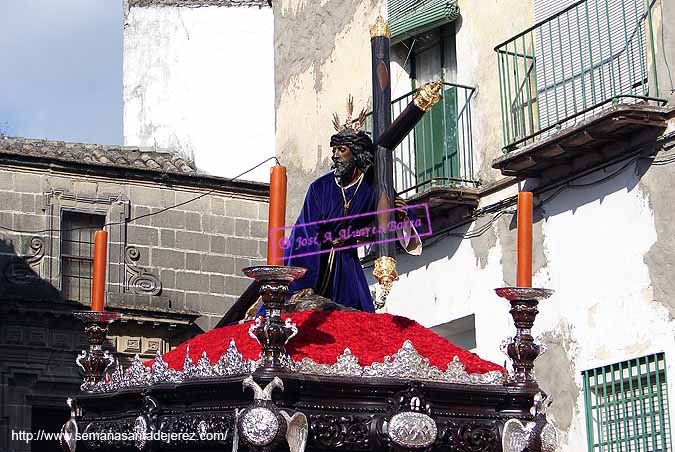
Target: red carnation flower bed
324 335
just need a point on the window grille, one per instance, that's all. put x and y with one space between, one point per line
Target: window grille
627 406
77 254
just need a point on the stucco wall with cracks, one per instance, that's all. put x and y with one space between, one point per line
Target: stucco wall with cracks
663 16
322 51
201 81
659 184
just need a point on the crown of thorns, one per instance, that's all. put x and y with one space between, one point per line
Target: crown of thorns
349 124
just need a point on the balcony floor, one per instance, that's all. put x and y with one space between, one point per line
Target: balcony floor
447 204
591 142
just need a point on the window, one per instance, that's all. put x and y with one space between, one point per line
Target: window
461 332
410 17
627 406
436 150
434 55
439 150
77 254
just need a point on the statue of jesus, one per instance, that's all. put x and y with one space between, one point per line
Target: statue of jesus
339 209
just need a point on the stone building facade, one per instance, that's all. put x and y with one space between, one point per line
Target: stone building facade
177 242
603 231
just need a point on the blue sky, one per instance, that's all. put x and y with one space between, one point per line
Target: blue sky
61 69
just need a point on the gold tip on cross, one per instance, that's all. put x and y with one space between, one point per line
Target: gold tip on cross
380 28
428 95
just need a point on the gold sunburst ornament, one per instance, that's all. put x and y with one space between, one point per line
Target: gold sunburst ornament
380 28
349 124
428 95
385 273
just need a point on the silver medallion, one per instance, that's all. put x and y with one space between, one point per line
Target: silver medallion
412 430
259 426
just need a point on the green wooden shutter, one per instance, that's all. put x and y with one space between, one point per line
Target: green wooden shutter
436 140
407 17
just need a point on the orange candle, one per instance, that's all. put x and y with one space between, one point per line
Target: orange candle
98 278
524 276
277 215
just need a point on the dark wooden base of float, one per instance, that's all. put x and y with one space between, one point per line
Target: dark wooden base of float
345 414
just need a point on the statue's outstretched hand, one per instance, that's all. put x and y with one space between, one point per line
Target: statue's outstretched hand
409 238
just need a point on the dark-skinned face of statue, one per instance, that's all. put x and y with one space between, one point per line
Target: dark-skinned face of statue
343 162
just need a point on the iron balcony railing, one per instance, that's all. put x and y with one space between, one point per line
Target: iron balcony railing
439 150
570 66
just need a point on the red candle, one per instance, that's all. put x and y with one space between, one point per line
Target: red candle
98 278
277 215
524 276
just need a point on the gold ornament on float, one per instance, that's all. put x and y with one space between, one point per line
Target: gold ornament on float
385 273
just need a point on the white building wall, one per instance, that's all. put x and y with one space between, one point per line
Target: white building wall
201 81
602 283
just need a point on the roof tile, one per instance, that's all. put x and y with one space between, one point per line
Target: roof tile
197 3
121 156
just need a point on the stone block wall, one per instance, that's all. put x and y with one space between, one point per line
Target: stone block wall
166 266
199 248
187 258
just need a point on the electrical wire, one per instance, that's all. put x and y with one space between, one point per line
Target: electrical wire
398 79
505 206
666 158
481 229
165 209
606 178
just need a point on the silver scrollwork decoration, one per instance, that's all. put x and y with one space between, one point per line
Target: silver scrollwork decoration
541 435
292 327
412 430
262 424
70 430
406 364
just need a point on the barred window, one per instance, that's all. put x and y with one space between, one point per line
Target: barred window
77 254
627 406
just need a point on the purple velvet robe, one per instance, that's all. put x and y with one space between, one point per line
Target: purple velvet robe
346 283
